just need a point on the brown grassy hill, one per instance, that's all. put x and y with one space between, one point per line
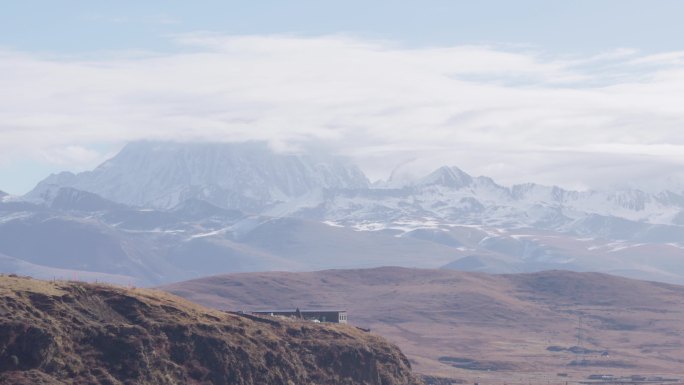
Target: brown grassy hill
512 328
77 333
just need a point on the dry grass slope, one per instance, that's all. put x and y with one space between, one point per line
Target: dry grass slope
77 333
478 327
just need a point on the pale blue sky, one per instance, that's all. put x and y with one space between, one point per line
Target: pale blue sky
576 26
599 48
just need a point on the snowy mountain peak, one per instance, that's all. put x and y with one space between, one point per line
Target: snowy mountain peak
452 177
245 176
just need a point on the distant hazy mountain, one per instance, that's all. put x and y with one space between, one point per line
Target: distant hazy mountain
88 237
158 212
244 176
67 198
24 268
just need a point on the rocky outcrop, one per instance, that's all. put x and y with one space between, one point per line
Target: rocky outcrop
77 333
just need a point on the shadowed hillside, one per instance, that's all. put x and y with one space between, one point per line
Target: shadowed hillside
76 333
478 326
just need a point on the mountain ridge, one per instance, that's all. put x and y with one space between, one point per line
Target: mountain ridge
201 182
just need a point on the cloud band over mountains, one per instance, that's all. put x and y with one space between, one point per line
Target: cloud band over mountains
511 112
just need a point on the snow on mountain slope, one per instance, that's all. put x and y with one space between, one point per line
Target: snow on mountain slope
194 239
78 243
194 209
245 176
451 177
449 195
251 178
316 246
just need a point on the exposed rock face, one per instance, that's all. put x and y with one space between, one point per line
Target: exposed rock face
74 333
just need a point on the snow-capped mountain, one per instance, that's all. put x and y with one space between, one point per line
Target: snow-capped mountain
252 178
451 196
244 176
158 212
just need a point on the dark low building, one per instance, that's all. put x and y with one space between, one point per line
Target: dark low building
333 316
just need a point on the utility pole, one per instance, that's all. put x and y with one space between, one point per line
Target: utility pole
580 351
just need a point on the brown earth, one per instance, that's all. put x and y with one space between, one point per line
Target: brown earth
475 327
78 333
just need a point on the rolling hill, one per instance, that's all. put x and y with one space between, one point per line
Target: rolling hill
474 326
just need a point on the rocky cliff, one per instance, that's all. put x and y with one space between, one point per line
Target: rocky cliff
77 333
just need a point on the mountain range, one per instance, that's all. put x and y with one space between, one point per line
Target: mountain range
162 211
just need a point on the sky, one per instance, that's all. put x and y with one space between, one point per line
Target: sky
581 94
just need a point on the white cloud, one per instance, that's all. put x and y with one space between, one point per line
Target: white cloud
516 114
71 155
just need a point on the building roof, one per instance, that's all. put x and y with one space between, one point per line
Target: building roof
301 310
